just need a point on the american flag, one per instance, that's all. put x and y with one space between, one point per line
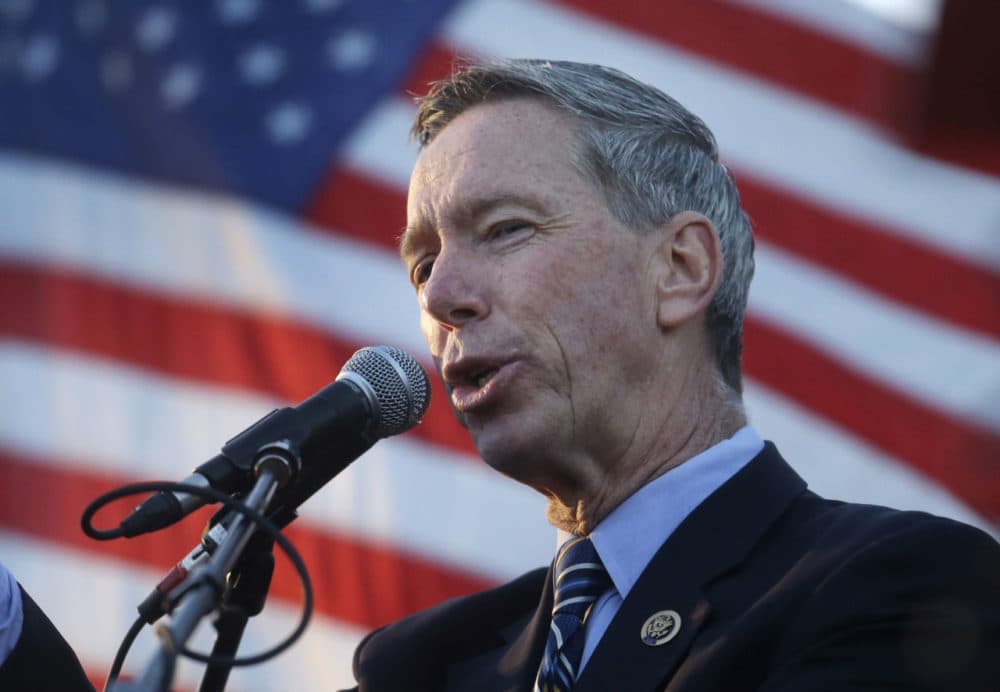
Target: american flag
199 208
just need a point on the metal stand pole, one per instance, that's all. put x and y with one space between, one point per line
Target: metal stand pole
205 587
248 585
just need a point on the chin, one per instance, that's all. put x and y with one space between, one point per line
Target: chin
518 441
503 458
518 456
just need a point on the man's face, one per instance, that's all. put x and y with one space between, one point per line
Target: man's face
536 303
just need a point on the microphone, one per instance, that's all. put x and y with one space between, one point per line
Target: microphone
381 391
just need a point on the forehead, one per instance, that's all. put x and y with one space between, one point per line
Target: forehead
530 119
494 150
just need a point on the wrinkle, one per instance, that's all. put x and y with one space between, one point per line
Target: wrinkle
569 377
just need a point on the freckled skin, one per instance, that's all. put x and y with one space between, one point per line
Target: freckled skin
515 256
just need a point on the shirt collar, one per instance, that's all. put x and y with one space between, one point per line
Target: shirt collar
628 538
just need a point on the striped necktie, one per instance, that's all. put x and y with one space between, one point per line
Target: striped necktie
580 581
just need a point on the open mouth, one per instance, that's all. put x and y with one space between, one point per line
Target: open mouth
476 384
481 378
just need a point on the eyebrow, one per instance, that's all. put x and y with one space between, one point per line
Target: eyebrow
470 211
408 238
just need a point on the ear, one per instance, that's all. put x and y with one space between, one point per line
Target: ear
689 268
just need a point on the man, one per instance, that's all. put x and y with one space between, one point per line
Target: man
582 265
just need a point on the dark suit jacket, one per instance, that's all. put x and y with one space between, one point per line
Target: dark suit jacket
777 590
41 659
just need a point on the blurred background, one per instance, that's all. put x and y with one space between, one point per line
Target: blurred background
198 209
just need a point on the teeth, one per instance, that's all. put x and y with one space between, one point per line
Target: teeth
484 377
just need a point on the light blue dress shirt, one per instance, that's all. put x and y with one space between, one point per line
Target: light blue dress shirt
11 613
627 539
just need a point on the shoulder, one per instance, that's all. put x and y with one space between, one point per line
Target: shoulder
837 595
424 643
922 555
810 518
830 544
894 592
859 532
786 529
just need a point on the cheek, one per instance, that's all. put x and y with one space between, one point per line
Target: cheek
559 305
433 334
603 314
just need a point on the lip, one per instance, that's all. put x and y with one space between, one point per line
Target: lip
466 397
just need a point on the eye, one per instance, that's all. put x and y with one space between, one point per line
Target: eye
505 229
421 271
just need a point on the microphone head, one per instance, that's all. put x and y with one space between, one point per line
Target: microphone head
397 387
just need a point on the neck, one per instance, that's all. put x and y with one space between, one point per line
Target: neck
702 422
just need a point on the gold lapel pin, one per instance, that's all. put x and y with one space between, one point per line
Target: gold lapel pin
660 627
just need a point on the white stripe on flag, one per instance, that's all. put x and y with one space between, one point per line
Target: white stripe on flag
854 25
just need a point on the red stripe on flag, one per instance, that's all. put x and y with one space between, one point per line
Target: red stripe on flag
354 581
792 55
953 452
351 202
185 338
919 276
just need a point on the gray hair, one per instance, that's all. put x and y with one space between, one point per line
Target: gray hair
650 156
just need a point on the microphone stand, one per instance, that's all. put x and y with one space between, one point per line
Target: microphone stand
206 585
248 584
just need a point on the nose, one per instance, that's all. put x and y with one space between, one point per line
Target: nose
455 292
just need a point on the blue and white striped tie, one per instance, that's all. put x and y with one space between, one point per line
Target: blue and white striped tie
580 581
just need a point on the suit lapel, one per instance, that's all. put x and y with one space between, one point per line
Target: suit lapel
511 667
715 537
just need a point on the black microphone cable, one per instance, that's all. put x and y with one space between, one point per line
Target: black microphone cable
381 391
233 504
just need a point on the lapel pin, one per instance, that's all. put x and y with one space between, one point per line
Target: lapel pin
660 627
